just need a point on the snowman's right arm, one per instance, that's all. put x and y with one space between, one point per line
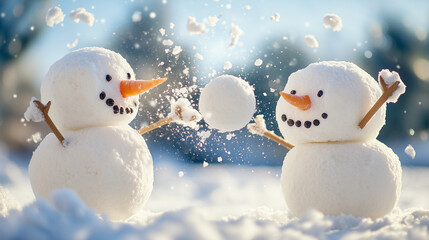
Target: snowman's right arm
259 128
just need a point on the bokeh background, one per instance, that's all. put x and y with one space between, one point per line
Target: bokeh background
375 35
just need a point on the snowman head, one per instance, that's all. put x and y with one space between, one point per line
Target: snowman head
93 87
325 102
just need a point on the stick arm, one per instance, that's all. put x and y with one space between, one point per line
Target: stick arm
388 91
45 109
259 128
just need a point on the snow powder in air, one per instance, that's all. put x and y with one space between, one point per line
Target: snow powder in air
194 27
311 41
167 42
81 14
73 44
409 150
212 20
33 113
276 17
176 50
227 65
258 62
182 112
205 164
199 56
390 77
235 34
332 21
137 16
227 103
54 16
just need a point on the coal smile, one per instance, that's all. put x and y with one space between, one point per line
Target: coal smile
299 123
117 108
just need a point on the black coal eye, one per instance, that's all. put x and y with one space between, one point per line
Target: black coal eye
108 77
320 93
129 75
293 92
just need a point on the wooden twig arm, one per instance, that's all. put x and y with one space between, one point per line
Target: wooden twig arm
388 91
45 109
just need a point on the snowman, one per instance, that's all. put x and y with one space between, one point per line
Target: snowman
92 96
330 114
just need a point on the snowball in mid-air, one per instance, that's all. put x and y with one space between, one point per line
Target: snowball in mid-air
311 41
33 113
390 78
110 168
227 103
409 150
54 16
332 21
81 14
194 27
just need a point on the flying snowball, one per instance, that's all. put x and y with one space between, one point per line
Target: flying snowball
227 103
332 21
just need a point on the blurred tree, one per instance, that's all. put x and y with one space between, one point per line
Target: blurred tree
400 48
21 22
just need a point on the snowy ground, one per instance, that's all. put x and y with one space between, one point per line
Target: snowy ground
216 202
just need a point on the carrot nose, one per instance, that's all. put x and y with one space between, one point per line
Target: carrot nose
135 87
301 102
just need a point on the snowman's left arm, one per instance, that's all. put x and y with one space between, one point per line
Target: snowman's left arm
45 109
388 91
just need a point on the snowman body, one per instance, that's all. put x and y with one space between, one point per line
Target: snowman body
336 167
358 178
114 177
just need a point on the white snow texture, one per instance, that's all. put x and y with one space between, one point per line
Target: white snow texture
235 34
227 103
54 16
110 168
